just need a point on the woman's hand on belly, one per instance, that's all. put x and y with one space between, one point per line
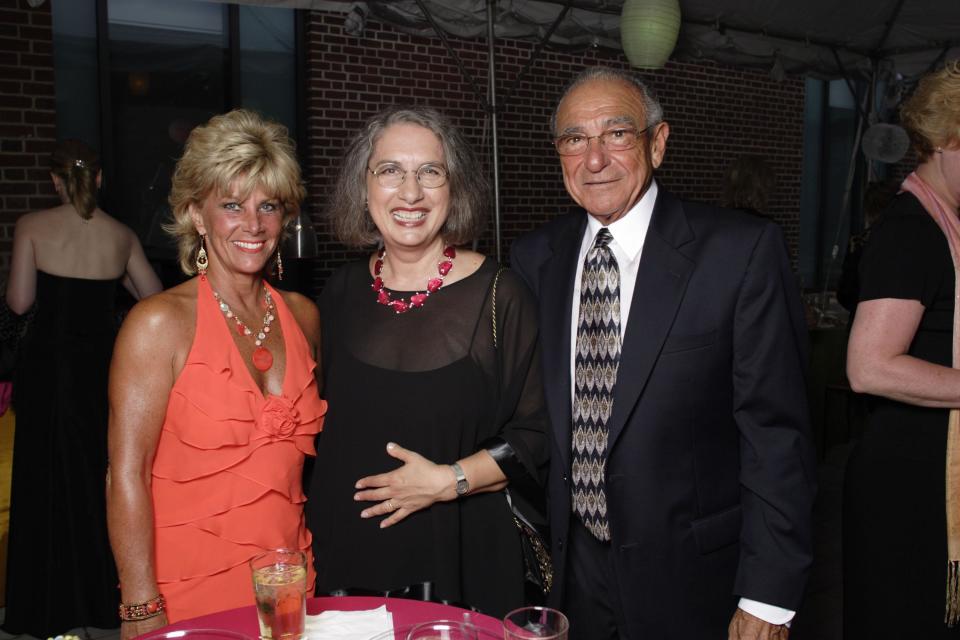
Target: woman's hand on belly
414 486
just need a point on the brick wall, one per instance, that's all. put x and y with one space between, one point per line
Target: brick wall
27 116
715 113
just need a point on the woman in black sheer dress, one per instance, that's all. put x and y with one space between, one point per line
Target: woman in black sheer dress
69 260
429 419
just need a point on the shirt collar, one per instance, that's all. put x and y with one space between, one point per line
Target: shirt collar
630 231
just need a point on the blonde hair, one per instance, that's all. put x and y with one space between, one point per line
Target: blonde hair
77 166
932 114
240 145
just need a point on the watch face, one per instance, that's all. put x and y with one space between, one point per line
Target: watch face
462 487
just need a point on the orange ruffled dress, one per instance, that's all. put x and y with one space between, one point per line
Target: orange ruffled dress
227 472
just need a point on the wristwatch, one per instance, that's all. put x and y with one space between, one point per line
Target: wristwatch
462 485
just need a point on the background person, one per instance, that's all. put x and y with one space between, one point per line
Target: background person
428 419
748 183
901 521
213 397
69 261
682 486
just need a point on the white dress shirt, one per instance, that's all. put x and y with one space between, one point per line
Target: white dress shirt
629 234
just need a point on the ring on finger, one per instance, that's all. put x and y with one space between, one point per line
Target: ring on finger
390 505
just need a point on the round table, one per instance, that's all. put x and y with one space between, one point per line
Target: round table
405 613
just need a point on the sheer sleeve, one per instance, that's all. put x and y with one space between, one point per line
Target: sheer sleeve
521 416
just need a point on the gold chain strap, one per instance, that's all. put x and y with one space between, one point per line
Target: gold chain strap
496 279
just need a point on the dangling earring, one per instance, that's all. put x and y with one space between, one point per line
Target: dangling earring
202 262
279 265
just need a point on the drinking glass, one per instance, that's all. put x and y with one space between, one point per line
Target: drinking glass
280 586
443 630
196 634
541 623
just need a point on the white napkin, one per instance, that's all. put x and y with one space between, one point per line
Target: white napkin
349 625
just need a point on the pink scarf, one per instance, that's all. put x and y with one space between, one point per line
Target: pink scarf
949 223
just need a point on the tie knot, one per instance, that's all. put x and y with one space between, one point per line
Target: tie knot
603 238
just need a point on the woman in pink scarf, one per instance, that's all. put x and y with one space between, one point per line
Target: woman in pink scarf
902 491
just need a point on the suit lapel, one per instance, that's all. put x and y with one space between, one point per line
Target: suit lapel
556 297
661 282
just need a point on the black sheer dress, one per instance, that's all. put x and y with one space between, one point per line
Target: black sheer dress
432 381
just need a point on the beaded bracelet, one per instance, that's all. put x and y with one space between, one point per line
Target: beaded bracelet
144 610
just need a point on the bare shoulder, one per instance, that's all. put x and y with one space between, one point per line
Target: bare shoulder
305 312
168 318
30 222
114 226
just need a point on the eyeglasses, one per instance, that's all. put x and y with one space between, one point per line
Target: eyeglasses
391 176
619 139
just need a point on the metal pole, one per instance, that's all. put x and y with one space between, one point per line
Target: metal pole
844 207
492 102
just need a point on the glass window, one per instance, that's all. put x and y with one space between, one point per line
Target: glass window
830 131
167 74
169 67
267 63
75 61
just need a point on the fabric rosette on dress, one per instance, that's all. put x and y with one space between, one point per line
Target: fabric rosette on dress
227 473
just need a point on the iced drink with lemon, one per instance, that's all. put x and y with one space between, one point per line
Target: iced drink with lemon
280 584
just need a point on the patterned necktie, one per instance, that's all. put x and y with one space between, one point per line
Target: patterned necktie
596 363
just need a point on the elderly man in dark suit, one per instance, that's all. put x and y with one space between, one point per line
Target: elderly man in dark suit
674 347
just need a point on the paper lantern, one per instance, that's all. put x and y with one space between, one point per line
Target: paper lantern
648 31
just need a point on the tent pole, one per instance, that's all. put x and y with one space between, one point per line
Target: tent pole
492 110
851 170
453 52
536 52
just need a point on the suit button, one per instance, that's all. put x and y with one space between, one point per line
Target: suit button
564 477
560 545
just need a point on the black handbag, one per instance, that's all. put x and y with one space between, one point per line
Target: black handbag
536 555
529 518
12 329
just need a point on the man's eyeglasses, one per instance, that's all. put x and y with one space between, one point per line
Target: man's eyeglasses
391 176
618 139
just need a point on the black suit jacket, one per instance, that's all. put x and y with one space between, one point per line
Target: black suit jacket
710 470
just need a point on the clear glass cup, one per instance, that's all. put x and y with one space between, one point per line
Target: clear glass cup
542 623
280 587
196 634
443 630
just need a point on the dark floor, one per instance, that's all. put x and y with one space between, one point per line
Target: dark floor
820 617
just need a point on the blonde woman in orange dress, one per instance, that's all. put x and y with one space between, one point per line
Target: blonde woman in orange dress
213 397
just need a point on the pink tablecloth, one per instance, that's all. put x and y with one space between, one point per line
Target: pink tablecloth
405 613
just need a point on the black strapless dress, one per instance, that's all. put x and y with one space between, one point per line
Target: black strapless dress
60 571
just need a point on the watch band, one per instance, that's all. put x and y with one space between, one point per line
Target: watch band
462 485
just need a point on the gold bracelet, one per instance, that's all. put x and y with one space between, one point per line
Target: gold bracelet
144 610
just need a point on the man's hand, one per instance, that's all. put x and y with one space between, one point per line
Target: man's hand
744 626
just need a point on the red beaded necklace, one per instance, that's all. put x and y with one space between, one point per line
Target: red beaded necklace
262 358
402 305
